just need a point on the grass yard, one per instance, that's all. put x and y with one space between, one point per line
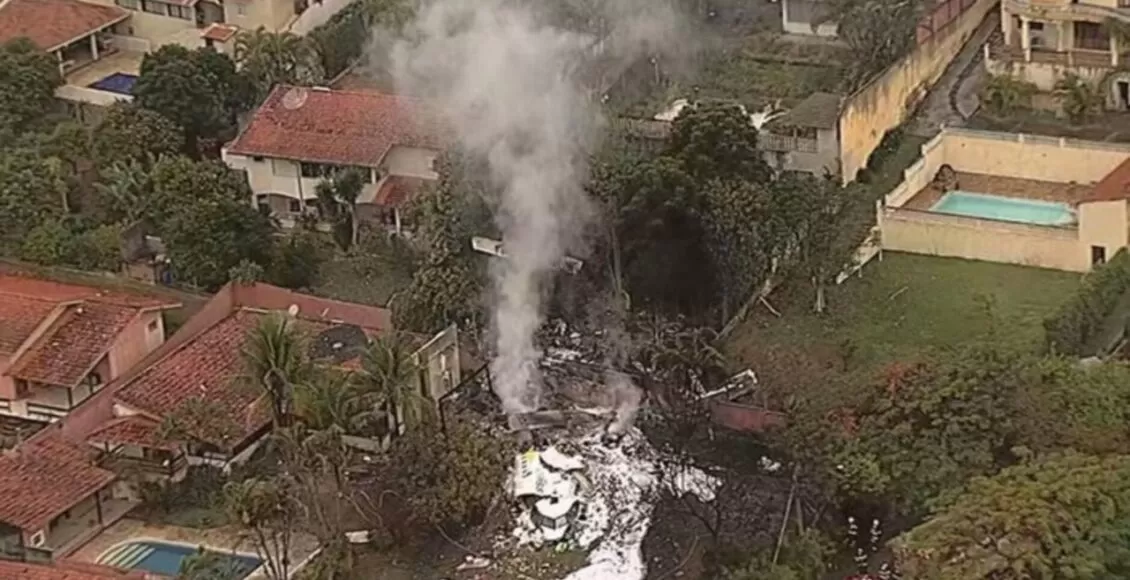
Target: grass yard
370 275
901 307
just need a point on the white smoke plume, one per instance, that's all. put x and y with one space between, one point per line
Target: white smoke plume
512 85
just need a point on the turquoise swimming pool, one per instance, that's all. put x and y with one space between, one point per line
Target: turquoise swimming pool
166 559
1010 209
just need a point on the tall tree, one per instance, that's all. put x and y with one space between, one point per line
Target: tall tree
275 360
837 222
269 514
878 33
717 140
131 134
1062 516
337 196
390 371
208 237
271 58
32 189
28 79
126 192
738 239
199 90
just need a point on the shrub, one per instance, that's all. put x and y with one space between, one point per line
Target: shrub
98 249
1004 95
1081 318
48 243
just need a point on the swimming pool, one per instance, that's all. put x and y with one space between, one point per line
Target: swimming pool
166 559
1010 209
120 83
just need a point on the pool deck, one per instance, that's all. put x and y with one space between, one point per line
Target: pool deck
1004 187
122 61
224 539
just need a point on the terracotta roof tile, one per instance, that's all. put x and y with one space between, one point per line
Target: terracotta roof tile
396 190
81 336
219 32
19 317
207 366
64 571
339 127
51 23
1113 187
131 430
44 477
59 292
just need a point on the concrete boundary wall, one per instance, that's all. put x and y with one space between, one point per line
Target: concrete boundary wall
887 101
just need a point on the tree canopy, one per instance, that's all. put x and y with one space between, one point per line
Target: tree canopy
271 58
129 133
28 79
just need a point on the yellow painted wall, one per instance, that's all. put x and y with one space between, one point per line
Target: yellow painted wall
961 237
885 102
1031 156
1103 224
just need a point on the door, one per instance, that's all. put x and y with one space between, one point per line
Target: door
1098 255
1124 95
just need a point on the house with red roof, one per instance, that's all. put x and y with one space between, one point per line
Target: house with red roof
62 343
301 136
201 369
53 498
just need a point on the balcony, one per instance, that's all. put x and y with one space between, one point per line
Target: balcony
1074 57
125 464
1067 10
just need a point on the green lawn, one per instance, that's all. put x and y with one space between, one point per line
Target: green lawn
904 306
370 275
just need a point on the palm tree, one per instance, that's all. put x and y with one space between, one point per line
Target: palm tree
330 400
270 58
274 358
389 375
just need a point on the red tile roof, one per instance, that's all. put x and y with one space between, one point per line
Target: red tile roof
207 366
396 190
131 430
19 317
339 127
52 23
79 339
44 477
219 32
1113 187
64 571
89 320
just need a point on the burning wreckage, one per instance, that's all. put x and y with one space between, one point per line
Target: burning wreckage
586 478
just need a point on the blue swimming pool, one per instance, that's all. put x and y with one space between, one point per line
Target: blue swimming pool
166 559
120 83
1010 209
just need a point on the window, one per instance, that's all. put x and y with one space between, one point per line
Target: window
1036 26
182 12
316 170
130 4
262 201
295 206
152 326
1091 36
257 158
1098 255
241 10
153 7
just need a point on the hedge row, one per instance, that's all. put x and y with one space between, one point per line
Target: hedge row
1070 329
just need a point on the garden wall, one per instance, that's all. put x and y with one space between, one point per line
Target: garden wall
888 100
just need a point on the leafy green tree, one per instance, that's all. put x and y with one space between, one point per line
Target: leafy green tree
1004 95
208 565
933 425
343 38
738 239
48 243
877 32
271 58
337 196
246 272
28 79
390 371
208 237
126 192
717 140
33 190
98 248
803 556
447 478
296 261
130 134
199 90
1079 98
275 360
1061 516
837 223
331 399
269 514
